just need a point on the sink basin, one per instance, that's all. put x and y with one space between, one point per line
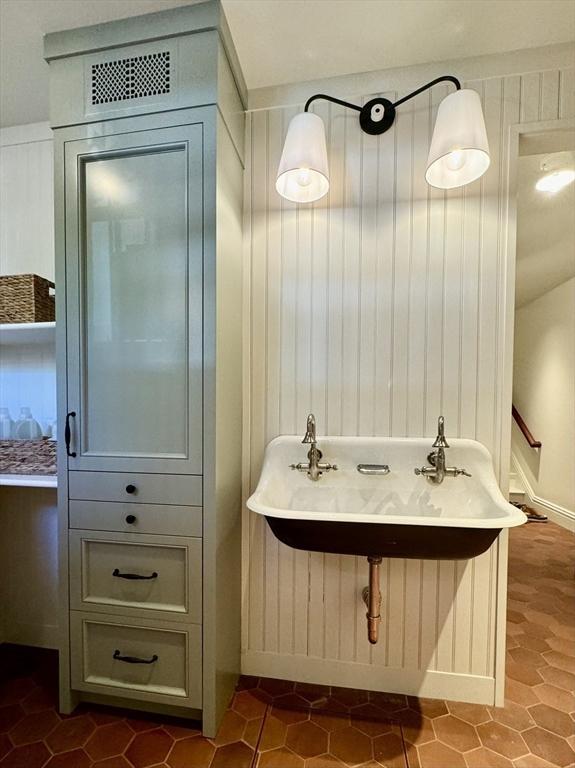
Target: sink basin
398 514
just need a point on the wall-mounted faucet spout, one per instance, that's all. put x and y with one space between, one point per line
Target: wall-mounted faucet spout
314 465
372 598
438 469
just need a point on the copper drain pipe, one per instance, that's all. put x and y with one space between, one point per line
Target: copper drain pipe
372 598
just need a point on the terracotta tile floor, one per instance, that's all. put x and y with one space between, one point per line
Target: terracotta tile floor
278 724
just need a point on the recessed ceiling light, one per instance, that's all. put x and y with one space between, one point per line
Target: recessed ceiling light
555 181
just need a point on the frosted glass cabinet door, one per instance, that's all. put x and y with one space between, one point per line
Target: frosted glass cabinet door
134 300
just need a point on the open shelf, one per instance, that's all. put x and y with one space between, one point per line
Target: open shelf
27 333
30 481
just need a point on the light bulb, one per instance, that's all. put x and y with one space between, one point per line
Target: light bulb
553 182
304 177
455 160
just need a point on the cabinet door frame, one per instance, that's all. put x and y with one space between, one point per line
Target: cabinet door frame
190 139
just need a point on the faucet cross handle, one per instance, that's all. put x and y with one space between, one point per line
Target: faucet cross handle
310 430
440 441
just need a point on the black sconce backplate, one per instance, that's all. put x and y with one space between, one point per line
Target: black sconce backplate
375 127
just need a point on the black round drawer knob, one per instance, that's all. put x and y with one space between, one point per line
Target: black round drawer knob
130 519
130 489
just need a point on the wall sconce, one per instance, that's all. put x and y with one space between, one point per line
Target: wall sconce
459 152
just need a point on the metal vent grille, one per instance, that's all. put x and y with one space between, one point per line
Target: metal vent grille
132 78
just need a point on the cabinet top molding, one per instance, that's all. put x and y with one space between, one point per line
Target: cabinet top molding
174 22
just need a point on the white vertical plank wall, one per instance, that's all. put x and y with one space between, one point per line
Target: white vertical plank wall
378 308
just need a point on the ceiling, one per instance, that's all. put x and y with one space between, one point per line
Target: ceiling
545 227
284 41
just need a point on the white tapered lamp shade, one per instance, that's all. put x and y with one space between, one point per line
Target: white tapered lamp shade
459 152
303 174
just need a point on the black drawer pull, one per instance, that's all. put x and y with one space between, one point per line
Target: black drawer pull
130 519
68 434
130 488
134 659
133 576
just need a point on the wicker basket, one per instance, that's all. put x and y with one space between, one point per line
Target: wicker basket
26 299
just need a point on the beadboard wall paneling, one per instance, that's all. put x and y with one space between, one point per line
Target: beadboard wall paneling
378 308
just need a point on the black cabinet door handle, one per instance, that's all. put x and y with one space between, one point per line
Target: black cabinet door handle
68 434
130 488
133 576
134 659
130 519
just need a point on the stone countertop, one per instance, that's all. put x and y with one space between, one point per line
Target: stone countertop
28 457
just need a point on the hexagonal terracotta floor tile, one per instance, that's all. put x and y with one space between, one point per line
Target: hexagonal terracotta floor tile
149 748
273 734
559 677
485 758
512 715
429 707
247 705
389 750
289 716
329 761
77 758
27 756
13 691
311 692
560 660
471 713
109 740
236 755
330 722
276 687
549 746
501 739
351 746
118 761
370 720
71 733
9 716
555 697
417 729
306 739
552 719
34 727
456 733
437 755
280 758
523 673
231 728
195 751
349 697
389 702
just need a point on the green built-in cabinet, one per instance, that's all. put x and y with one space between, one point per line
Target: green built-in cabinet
148 122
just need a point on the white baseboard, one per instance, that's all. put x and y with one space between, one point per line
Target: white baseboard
557 514
415 682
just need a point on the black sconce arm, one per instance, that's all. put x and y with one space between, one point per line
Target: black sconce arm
382 109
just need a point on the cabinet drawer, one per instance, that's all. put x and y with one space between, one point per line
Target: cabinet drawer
140 518
164 663
135 574
134 487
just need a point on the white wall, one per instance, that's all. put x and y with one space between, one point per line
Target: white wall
379 308
26 200
544 394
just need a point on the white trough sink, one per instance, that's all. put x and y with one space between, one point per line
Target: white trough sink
397 514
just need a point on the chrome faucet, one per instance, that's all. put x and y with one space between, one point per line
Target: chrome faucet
437 471
314 466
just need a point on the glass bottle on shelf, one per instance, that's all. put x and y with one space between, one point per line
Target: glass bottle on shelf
27 428
6 425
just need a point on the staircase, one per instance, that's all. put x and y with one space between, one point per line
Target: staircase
516 489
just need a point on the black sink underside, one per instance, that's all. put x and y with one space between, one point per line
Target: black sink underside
383 540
